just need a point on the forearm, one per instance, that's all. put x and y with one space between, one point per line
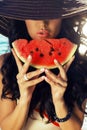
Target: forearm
17 118
73 123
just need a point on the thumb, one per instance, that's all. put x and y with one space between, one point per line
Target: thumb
18 62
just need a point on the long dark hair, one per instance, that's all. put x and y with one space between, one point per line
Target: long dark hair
77 74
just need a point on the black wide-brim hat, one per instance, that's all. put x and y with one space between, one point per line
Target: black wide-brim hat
38 10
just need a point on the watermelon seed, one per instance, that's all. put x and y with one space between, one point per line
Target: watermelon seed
50 53
37 49
41 54
59 53
31 52
51 49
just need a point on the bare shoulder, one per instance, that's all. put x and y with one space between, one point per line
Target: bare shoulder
6 105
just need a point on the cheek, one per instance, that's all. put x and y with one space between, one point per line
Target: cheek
31 31
56 29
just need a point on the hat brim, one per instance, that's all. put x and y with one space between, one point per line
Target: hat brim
33 10
22 10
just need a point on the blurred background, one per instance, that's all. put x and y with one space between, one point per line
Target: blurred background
4 46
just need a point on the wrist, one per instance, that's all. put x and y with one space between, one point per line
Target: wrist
61 109
62 112
60 104
23 101
64 118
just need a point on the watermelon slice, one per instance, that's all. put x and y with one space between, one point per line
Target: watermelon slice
45 51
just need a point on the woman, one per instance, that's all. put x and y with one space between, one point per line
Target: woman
40 99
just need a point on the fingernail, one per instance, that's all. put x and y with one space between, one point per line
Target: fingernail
42 69
46 70
29 57
43 77
55 61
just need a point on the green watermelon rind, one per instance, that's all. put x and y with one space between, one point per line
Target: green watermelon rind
44 66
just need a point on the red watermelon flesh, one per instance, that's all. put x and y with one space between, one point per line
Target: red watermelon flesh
45 51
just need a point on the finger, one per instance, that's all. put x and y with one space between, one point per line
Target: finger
61 69
18 62
35 73
30 75
66 67
55 78
49 81
25 67
34 82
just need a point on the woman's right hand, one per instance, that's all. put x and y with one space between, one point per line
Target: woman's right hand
27 86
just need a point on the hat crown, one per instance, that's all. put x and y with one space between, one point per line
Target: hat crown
39 10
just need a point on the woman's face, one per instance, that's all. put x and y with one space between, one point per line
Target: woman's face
43 29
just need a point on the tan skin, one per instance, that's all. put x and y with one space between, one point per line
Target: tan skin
52 26
10 111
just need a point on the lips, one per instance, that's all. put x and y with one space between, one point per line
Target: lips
43 33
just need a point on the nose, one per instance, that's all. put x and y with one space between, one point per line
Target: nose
44 24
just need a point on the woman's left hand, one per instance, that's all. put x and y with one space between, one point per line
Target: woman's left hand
58 82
